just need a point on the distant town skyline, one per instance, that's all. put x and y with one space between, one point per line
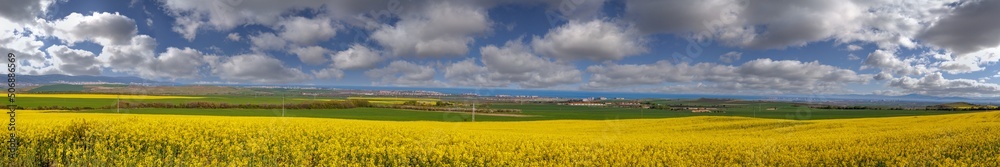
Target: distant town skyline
935 48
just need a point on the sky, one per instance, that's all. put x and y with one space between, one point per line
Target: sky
882 47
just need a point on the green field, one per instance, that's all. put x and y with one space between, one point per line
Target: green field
58 88
530 112
29 102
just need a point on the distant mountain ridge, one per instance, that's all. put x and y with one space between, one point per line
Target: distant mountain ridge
59 78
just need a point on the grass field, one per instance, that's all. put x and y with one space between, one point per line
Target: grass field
58 88
106 96
95 139
354 113
109 100
537 111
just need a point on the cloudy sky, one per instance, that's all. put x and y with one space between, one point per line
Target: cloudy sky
885 47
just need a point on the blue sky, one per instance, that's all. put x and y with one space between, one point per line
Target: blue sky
938 48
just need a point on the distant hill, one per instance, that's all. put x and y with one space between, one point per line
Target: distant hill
962 106
58 78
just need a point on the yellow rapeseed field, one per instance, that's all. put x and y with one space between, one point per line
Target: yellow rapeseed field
79 139
395 100
105 96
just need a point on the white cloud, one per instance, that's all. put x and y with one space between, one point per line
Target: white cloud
970 62
356 57
730 57
468 73
515 63
404 73
305 31
328 73
883 76
267 41
853 57
654 16
139 59
74 61
888 62
24 10
312 55
129 58
780 24
254 68
102 28
234 36
192 16
968 28
176 64
934 84
512 63
442 29
27 48
785 76
596 40
853 47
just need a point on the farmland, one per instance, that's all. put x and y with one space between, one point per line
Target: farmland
746 133
96 139
534 112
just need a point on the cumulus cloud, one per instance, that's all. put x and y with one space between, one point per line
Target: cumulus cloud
853 47
129 58
934 84
780 24
328 73
730 57
883 76
24 10
356 57
312 55
653 16
442 29
512 63
254 68
102 28
177 63
267 41
970 62
889 62
305 31
758 24
786 76
574 10
468 73
139 59
404 73
195 15
234 36
74 61
853 57
25 46
970 27
596 40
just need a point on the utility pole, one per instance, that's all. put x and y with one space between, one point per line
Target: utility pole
118 105
282 105
474 111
